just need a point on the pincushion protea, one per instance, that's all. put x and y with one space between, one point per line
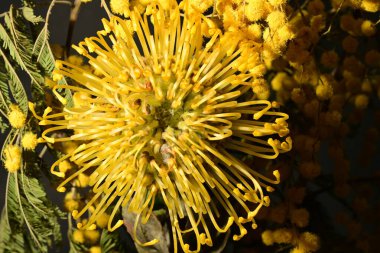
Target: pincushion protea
163 115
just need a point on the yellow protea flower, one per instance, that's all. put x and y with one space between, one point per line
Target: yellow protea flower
163 118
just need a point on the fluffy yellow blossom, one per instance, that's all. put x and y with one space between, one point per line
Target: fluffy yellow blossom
372 58
329 59
370 5
12 155
267 237
298 96
347 22
120 7
256 10
29 141
368 28
324 89
78 236
309 242
75 59
71 201
95 249
298 250
16 117
91 236
361 101
315 7
201 5
276 19
102 220
283 235
277 3
350 44
83 180
300 217
164 120
64 166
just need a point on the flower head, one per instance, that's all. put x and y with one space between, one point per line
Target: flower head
16 117
164 117
29 141
12 155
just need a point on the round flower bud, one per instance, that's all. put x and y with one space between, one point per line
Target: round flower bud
300 217
309 241
329 59
78 236
282 235
29 141
16 117
95 249
64 166
361 101
267 237
12 155
102 220
368 28
91 236
350 44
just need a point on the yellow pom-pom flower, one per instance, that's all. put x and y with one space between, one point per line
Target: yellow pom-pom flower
16 117
368 28
309 242
102 220
300 217
164 120
267 237
283 235
120 7
12 155
91 236
95 249
29 141
361 101
78 236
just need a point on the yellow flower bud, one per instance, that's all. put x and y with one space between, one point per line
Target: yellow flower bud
300 217
361 101
78 236
309 241
16 117
267 237
29 141
12 155
102 220
283 235
95 249
91 236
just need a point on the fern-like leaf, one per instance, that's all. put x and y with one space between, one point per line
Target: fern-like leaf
16 87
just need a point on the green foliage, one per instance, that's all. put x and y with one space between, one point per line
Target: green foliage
3 126
110 242
29 221
17 38
28 14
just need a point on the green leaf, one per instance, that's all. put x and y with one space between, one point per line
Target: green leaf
3 126
5 99
29 220
15 84
19 43
28 14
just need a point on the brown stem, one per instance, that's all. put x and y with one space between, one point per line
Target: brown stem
73 19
